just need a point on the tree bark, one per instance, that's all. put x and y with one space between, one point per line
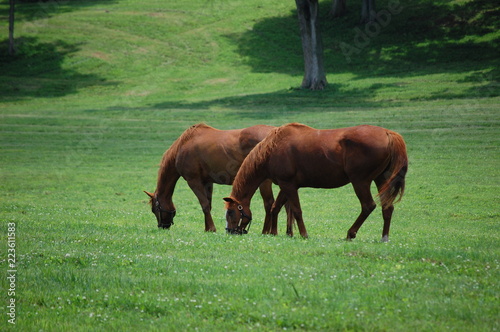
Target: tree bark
339 8
314 77
12 50
368 13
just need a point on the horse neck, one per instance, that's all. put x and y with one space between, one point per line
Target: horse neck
167 179
246 183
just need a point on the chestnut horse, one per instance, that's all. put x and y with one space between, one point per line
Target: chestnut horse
296 156
203 155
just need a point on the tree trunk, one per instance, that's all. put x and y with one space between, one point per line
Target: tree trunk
368 13
339 8
11 28
314 77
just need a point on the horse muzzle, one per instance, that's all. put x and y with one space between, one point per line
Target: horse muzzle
164 226
236 231
239 230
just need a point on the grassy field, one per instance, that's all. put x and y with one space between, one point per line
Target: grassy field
100 89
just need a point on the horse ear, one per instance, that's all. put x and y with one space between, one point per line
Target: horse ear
149 194
228 199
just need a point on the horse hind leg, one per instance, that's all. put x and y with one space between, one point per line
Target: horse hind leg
367 206
387 215
386 212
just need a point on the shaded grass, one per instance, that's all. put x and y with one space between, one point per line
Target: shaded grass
195 52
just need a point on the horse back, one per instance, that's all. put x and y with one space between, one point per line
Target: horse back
330 158
251 136
215 155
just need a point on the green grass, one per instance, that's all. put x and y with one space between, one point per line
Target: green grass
100 89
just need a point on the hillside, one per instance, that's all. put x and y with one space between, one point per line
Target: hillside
159 54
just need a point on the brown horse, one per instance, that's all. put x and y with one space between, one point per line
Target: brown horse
296 156
203 155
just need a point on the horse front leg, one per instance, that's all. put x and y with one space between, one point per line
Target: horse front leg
289 220
204 194
282 200
293 203
367 206
275 210
266 192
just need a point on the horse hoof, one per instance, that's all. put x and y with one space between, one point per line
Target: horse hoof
350 236
385 238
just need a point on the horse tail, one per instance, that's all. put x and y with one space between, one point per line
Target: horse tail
393 189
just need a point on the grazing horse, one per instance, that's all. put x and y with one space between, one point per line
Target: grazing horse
296 156
203 155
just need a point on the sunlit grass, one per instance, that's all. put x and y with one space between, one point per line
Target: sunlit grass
89 247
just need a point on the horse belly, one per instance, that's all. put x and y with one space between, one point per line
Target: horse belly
208 164
322 178
311 170
223 172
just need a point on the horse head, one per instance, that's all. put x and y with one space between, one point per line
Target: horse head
238 217
165 218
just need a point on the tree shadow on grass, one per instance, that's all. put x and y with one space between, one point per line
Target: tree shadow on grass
36 71
413 39
283 103
334 98
41 9
408 39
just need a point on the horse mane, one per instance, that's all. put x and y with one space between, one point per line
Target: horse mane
253 163
170 155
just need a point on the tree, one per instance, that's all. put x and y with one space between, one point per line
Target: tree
368 11
11 27
339 8
312 46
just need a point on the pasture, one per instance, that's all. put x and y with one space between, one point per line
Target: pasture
100 89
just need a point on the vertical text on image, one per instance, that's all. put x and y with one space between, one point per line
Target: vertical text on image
11 272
